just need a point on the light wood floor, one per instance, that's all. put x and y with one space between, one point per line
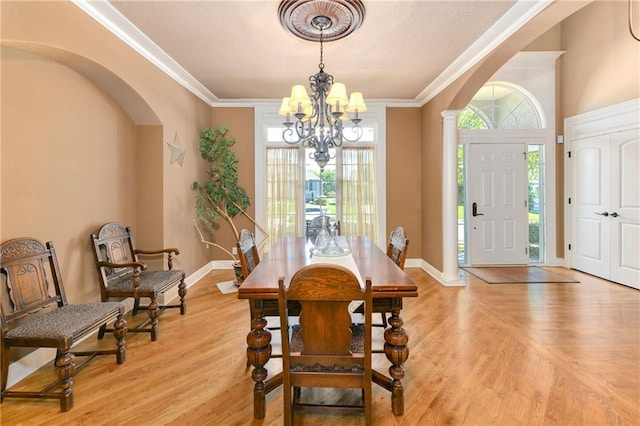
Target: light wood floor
500 354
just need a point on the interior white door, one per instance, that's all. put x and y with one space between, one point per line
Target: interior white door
606 206
624 208
496 200
590 202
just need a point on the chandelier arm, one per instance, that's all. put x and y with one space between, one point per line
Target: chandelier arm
287 134
357 130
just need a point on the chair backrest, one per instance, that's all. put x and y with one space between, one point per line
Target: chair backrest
28 269
320 222
248 252
113 243
324 292
398 245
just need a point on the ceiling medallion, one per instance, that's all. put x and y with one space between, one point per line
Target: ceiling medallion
340 18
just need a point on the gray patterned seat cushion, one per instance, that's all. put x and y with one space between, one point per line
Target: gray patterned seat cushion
356 345
150 281
64 322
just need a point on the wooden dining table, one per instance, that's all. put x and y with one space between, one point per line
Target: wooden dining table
390 285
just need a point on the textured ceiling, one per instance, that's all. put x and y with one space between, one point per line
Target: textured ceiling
238 49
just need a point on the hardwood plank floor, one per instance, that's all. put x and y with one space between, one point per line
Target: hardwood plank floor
520 354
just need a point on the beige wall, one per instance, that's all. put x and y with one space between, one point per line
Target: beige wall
85 126
240 122
404 186
63 157
600 67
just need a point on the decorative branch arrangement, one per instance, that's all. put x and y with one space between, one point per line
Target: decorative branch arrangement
220 196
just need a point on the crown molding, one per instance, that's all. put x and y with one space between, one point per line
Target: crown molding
521 13
109 17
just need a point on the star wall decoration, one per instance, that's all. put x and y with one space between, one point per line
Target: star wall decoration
177 151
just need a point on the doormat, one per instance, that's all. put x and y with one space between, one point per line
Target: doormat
227 287
518 275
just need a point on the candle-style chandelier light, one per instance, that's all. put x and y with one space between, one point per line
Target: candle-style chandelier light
320 118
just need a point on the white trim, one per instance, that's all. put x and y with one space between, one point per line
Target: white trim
615 118
521 13
610 119
437 275
107 15
449 196
172 293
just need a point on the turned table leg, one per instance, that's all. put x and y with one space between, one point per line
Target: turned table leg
258 354
397 352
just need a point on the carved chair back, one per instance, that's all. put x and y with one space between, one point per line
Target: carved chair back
114 244
325 349
31 279
35 314
122 274
248 252
398 245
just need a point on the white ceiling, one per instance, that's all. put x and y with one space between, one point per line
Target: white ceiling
237 51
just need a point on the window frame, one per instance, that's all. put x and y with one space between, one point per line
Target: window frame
265 116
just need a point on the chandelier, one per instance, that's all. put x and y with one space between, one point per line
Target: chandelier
318 121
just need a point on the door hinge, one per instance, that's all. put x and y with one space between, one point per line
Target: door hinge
526 250
569 200
569 154
569 246
525 203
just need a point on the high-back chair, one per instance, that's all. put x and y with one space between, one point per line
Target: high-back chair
123 275
396 251
325 349
247 252
36 314
398 245
249 259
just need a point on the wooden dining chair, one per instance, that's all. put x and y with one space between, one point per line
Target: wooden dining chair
398 246
325 349
123 275
247 252
36 314
249 259
397 252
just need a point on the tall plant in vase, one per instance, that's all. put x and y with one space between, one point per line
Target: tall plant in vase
220 197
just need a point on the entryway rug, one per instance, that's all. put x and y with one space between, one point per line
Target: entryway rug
227 287
517 275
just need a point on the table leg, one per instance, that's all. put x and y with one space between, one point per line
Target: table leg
397 352
258 354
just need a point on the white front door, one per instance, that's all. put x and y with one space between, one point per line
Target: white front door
496 203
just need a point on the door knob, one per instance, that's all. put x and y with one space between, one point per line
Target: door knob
474 210
614 214
605 214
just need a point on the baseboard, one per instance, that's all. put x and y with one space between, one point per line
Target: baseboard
172 294
437 275
28 364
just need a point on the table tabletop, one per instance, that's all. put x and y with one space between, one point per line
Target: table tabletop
290 254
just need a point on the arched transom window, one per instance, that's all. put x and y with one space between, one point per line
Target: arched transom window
501 106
